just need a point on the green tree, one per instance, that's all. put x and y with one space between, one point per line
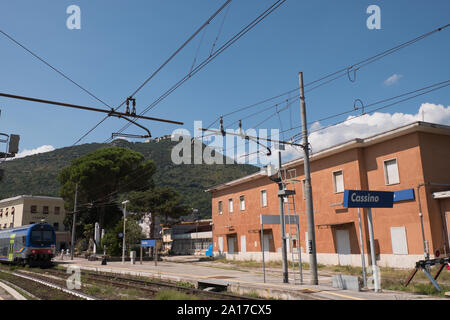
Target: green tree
161 202
102 175
133 236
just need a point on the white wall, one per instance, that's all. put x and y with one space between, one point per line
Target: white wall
385 260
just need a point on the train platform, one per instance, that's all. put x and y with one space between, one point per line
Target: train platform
9 293
249 281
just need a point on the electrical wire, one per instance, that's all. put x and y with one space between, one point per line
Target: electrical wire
205 62
161 66
373 104
341 72
54 68
298 137
433 87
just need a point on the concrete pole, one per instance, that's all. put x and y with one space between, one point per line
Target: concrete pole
363 260
124 221
308 188
372 251
74 221
282 223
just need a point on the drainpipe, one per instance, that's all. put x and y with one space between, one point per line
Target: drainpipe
426 251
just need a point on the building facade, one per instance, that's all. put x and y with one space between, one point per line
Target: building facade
27 209
188 237
413 160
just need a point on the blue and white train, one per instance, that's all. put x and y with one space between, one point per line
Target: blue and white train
32 244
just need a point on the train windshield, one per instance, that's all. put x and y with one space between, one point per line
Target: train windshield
42 236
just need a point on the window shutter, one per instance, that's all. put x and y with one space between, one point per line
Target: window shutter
392 172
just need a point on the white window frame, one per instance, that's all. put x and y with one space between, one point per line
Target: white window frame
386 176
220 207
262 198
230 207
241 201
334 181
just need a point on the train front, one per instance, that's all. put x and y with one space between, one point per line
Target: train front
41 240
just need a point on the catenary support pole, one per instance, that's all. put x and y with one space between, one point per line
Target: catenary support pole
282 224
74 221
376 278
308 188
124 221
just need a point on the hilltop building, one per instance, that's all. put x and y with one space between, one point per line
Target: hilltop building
412 160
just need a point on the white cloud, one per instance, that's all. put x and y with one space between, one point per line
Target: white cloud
393 79
369 125
26 152
356 127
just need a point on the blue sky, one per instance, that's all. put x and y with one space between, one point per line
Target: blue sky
122 42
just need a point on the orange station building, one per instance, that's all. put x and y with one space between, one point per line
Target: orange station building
413 159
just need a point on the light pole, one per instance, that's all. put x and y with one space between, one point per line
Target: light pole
124 203
195 212
72 245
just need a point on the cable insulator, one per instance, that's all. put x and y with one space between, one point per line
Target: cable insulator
133 112
221 126
127 110
362 105
354 73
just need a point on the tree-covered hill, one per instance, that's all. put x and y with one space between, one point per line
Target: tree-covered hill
37 174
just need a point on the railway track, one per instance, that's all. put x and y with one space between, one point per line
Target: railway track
40 289
148 288
153 286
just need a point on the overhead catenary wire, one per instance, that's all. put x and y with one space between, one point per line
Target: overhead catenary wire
440 84
220 31
430 88
54 68
296 138
372 104
63 104
341 72
205 24
205 62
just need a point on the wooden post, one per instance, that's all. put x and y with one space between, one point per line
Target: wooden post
411 276
439 271
141 254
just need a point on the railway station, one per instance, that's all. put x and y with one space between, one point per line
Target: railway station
411 161
244 150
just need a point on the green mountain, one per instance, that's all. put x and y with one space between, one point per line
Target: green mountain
36 174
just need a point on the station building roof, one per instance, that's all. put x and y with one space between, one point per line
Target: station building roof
418 126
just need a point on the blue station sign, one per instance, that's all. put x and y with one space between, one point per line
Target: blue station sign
402 195
148 243
368 199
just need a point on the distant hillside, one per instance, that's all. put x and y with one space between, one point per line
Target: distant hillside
37 174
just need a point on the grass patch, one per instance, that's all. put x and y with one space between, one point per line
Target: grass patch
130 294
93 290
173 295
185 284
418 288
